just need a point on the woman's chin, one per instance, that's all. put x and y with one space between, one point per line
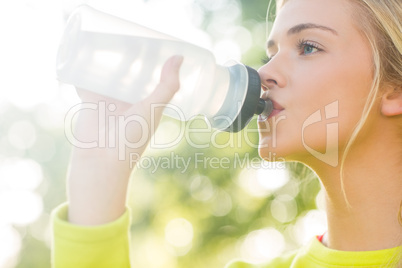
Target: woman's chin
280 151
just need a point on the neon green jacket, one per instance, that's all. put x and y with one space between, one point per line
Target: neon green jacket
107 246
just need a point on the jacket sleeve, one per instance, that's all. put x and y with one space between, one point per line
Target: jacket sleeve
284 261
89 246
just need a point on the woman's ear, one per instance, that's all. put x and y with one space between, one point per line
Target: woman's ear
391 103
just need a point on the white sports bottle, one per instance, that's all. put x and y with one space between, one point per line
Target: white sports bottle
123 60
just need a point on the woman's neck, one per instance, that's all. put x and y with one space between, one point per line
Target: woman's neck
363 215
368 220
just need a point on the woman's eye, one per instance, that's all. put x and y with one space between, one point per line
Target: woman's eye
265 60
308 49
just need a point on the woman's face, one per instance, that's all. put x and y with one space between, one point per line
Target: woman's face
318 77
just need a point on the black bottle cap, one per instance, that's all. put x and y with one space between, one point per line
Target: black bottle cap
252 103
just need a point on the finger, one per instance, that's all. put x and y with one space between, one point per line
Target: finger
169 82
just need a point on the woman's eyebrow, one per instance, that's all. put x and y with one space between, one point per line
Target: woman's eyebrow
301 27
304 26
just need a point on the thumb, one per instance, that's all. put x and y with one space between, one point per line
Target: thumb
169 82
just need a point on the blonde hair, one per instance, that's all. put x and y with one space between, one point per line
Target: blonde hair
380 23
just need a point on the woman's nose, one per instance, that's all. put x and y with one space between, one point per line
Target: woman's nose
272 75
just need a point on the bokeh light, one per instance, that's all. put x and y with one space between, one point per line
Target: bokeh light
20 207
284 208
226 50
201 188
41 229
222 203
22 135
179 233
29 59
273 178
261 182
20 174
10 245
44 148
312 224
262 245
152 252
196 217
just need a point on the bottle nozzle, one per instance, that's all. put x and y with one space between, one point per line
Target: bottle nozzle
264 107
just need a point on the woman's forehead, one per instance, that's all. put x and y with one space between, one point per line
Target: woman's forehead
329 13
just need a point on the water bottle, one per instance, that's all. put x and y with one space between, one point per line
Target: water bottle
123 60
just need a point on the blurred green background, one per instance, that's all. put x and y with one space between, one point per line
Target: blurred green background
225 204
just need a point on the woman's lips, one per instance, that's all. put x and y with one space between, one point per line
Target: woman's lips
277 109
274 112
277 106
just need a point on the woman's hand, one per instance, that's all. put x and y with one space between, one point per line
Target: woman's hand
98 177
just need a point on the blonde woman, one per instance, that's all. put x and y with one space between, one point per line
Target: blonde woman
334 66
